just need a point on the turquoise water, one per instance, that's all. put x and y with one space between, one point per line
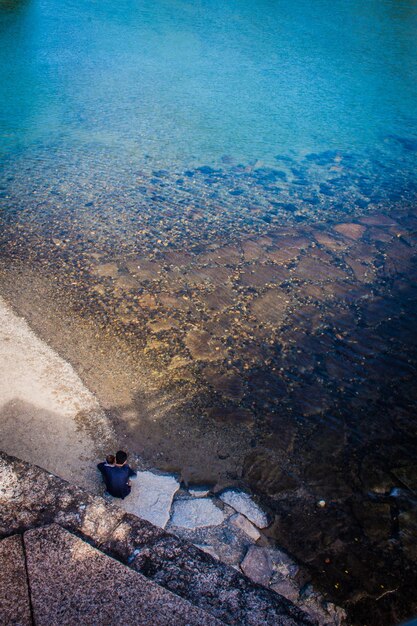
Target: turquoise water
172 166
190 81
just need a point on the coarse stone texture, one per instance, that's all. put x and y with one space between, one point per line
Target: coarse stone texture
257 565
208 550
286 588
322 612
151 497
229 545
283 563
243 503
31 497
196 513
217 588
242 523
14 596
73 583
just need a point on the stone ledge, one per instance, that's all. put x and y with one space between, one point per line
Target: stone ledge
14 594
73 583
31 497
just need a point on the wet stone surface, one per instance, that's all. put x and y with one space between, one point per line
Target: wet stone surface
263 339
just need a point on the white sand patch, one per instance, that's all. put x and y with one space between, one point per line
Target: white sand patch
44 404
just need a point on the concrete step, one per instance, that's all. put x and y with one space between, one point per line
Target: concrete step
72 583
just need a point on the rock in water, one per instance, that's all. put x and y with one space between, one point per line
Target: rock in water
243 503
257 565
286 588
196 513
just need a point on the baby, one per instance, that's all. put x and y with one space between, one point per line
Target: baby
110 460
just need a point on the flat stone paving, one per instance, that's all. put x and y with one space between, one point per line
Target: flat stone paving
73 583
243 503
14 596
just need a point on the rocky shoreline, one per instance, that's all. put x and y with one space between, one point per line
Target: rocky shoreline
37 503
227 525
244 326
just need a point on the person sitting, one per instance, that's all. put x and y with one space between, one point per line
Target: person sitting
117 477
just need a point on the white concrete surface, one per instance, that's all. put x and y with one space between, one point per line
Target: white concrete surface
47 416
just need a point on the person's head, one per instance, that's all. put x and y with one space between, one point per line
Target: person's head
110 459
121 457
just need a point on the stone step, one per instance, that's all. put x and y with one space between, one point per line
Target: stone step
73 583
31 497
14 595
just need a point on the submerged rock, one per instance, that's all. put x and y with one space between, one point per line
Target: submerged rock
350 230
106 270
407 475
202 347
257 565
271 307
243 503
199 492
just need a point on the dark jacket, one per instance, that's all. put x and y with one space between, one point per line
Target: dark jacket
116 479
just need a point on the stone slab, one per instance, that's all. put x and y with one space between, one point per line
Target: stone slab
287 588
196 513
14 596
73 583
151 497
208 550
30 496
257 565
229 545
282 563
220 590
243 503
242 523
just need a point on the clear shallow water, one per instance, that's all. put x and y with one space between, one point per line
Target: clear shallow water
210 210
191 81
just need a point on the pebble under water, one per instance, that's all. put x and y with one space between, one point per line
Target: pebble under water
210 211
245 324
